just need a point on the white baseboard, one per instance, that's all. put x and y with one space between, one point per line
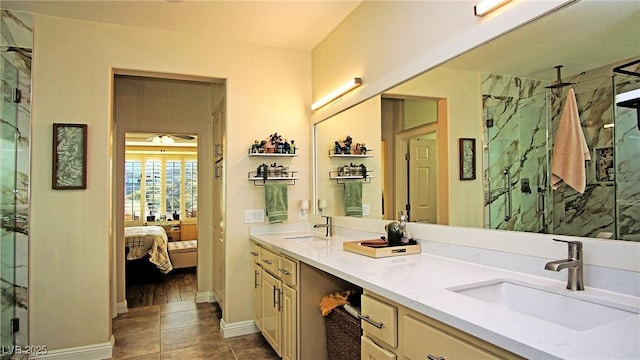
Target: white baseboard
88 352
205 297
122 307
238 328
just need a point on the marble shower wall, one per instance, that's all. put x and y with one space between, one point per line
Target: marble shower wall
16 44
519 141
592 212
515 140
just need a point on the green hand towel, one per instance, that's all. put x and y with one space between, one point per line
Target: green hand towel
275 201
353 198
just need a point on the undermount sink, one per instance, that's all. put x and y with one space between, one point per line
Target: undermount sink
564 308
305 238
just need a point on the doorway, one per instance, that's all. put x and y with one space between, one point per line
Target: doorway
414 159
160 217
156 107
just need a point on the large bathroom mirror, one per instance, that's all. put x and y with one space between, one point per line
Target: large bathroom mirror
506 97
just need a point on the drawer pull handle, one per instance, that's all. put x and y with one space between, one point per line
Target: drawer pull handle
254 253
374 323
433 357
275 301
255 279
284 271
267 261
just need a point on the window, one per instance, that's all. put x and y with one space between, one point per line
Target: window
173 171
191 189
132 179
152 189
170 186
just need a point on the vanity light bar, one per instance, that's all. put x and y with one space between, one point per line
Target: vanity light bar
486 6
352 84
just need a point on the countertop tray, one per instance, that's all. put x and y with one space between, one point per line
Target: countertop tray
355 247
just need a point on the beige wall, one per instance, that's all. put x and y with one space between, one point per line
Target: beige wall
387 42
268 90
462 91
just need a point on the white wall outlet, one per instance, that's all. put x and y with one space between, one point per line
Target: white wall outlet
366 209
253 216
303 214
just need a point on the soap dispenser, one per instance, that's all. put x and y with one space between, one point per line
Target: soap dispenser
403 228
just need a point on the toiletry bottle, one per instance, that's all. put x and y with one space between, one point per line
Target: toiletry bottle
403 228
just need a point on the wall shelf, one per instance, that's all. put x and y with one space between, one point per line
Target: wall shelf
271 155
333 154
333 175
261 180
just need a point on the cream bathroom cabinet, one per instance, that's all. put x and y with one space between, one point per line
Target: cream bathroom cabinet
276 300
392 331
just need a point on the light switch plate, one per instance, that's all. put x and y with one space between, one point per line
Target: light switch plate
366 209
253 216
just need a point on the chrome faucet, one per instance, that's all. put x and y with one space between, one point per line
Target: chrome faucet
328 225
573 264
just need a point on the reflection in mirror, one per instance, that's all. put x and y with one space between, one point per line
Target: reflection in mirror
336 183
409 132
509 95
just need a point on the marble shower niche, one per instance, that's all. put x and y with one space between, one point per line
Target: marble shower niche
16 46
521 120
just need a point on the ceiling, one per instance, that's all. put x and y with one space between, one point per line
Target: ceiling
583 36
299 24
144 139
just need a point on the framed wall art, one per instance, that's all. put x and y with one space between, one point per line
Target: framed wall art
69 156
467 158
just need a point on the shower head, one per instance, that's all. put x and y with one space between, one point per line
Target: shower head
559 84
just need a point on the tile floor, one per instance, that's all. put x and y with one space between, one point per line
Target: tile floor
182 330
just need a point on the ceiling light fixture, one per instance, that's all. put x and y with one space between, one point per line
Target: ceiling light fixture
352 84
487 6
163 139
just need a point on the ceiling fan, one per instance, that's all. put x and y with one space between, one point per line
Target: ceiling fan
168 138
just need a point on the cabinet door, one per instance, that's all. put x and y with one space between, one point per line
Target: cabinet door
257 293
271 319
289 323
370 351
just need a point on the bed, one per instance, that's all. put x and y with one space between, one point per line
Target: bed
148 240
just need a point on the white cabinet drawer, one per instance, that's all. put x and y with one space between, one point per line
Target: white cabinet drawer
288 271
382 320
371 351
270 261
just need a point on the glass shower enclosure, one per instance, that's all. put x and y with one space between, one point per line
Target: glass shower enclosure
521 118
16 42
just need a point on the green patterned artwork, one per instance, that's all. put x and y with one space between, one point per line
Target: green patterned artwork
69 156
467 159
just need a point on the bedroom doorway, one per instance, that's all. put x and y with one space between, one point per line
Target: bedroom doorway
160 217
153 108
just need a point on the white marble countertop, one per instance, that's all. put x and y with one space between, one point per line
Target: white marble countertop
421 281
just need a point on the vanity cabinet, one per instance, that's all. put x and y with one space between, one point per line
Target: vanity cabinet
276 300
392 331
